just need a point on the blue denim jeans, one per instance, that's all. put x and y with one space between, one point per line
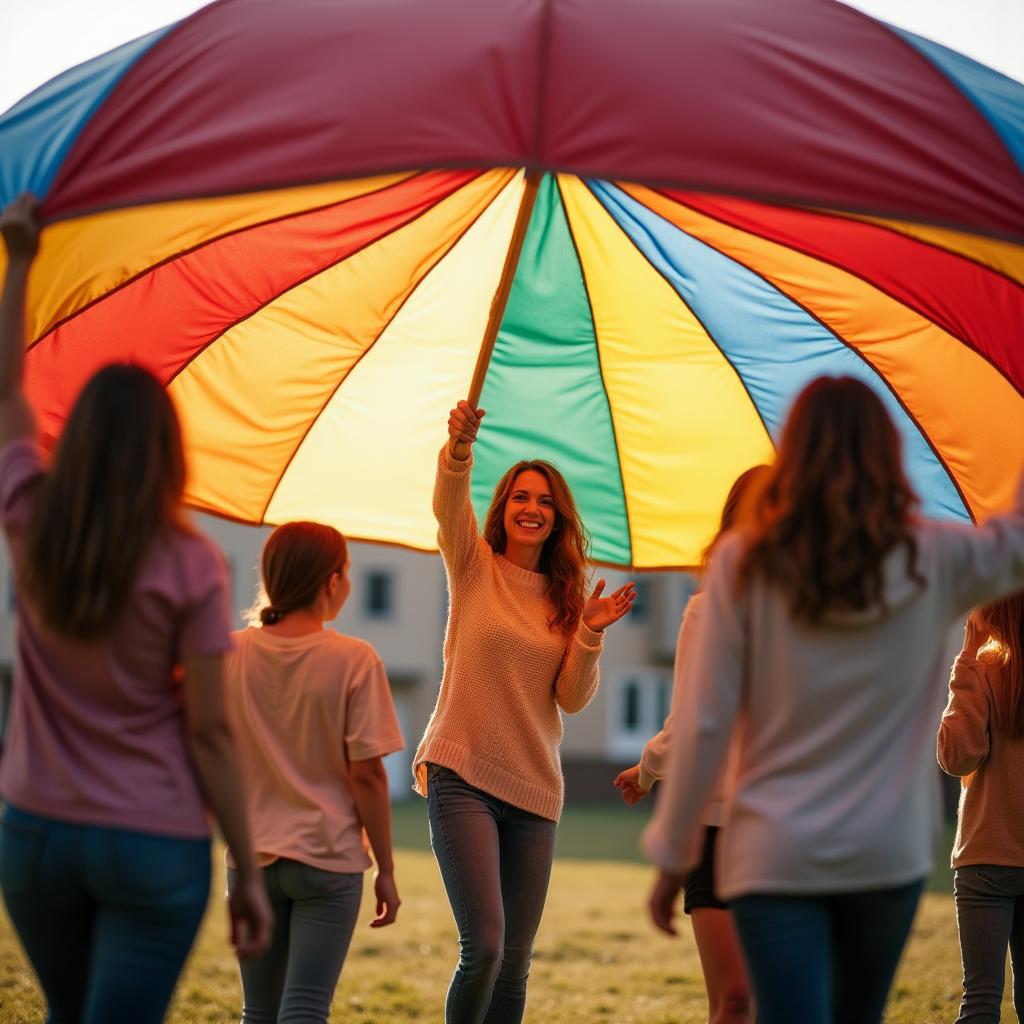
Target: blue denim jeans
315 914
990 917
106 916
495 862
826 959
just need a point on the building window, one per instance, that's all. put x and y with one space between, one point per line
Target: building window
378 602
631 705
641 610
641 700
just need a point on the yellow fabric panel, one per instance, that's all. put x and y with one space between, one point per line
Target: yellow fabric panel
248 399
1006 257
367 465
84 258
970 412
684 424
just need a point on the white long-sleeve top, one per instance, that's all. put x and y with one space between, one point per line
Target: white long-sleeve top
834 786
654 760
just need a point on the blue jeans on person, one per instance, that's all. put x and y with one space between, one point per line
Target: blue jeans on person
495 862
315 914
827 959
107 916
990 917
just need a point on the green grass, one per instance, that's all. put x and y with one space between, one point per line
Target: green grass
597 960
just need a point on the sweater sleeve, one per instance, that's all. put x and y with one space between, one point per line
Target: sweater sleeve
577 679
986 562
655 756
710 689
962 745
457 534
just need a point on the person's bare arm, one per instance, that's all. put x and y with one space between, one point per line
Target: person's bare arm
369 784
21 237
213 753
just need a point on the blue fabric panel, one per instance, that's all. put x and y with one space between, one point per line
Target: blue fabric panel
999 99
774 345
37 132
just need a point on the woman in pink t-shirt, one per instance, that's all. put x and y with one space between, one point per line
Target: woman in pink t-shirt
313 715
117 726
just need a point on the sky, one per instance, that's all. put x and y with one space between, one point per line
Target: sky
41 38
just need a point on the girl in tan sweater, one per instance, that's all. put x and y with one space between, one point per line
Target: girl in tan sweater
981 739
522 641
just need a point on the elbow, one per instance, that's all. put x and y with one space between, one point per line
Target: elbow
573 703
210 737
955 761
368 775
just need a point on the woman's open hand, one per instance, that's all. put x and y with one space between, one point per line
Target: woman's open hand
600 612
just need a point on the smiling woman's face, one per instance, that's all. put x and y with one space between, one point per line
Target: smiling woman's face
530 510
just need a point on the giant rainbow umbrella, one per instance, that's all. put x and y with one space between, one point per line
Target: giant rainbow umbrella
300 215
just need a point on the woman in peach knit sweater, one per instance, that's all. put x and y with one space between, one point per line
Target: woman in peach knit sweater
522 641
981 739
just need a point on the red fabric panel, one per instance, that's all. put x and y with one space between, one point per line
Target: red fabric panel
164 318
971 302
803 100
248 94
806 101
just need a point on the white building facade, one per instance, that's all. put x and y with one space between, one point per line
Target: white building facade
399 604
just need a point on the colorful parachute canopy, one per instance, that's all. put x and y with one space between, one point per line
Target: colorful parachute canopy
297 214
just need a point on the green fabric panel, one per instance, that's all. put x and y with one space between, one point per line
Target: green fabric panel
543 394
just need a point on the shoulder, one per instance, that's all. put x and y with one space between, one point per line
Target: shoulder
359 655
21 471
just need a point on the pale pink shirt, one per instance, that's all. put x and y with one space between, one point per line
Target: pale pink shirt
97 729
303 708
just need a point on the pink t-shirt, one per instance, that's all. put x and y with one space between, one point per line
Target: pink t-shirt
97 729
302 708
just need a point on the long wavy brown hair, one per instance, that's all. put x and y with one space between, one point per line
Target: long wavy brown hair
1004 621
563 559
116 481
298 559
836 503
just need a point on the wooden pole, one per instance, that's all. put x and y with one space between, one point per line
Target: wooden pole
508 273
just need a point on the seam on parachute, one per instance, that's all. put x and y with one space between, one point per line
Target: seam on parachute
600 367
515 161
853 273
412 291
1001 143
693 313
298 284
543 51
881 225
850 348
57 324
173 29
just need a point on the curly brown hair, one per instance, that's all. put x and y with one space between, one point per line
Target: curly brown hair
563 559
836 503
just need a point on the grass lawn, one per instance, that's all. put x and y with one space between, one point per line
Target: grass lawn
597 958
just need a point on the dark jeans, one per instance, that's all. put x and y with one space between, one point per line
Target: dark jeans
826 959
990 916
495 861
106 916
315 915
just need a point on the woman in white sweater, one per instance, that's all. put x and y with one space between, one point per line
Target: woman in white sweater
725 976
821 647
